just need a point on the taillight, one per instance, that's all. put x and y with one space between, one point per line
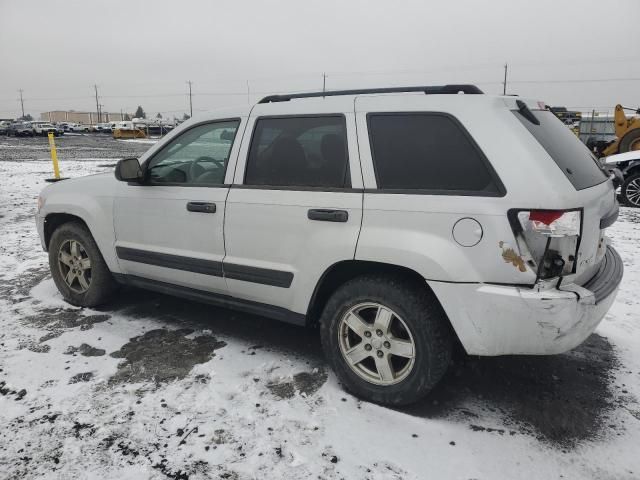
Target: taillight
551 223
549 239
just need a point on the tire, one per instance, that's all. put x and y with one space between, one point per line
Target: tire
417 316
631 141
98 285
631 190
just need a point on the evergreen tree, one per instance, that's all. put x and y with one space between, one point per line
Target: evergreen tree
140 113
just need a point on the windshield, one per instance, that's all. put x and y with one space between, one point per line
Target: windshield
570 154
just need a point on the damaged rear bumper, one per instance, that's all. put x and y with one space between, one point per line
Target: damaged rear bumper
502 320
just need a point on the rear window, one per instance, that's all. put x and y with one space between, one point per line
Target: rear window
570 154
428 152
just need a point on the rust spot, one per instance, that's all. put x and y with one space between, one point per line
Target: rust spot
510 256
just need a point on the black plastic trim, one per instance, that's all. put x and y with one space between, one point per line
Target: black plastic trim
297 189
427 90
177 262
225 301
609 276
264 276
502 191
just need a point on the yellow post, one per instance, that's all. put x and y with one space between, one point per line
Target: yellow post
54 156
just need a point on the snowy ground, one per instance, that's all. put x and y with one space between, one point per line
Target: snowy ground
154 387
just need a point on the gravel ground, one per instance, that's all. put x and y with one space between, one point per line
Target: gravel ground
155 387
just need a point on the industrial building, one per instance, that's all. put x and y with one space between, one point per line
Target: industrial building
85 118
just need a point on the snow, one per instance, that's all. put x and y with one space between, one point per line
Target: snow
261 405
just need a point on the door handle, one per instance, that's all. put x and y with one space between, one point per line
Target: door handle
328 215
203 207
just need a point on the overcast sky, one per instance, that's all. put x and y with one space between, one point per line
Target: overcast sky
142 53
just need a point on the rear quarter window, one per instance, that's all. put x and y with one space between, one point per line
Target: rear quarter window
572 157
428 153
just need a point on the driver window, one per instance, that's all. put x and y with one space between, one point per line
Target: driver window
198 156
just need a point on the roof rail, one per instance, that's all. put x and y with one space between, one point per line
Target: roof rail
427 90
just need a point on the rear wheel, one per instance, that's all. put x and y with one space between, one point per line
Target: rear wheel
386 338
77 266
631 190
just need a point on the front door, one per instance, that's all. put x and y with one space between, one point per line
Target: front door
293 211
170 228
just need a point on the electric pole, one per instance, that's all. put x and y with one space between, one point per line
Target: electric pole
324 82
504 84
95 87
248 96
190 100
21 103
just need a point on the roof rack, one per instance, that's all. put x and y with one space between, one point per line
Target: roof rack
427 90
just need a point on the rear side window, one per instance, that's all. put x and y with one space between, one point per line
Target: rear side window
570 154
431 152
299 152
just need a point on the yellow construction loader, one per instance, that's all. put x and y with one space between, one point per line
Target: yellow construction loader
627 131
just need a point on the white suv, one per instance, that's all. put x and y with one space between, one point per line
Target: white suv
399 221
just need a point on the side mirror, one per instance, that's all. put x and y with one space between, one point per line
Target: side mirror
128 170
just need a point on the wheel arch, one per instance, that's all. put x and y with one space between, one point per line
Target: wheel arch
341 272
53 220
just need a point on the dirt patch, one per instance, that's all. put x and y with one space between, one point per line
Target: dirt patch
16 289
305 383
85 350
563 399
81 377
162 355
57 320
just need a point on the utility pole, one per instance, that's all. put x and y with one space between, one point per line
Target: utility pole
190 100
324 82
504 84
21 103
248 97
95 87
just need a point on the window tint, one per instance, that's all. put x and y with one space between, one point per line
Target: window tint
299 152
570 154
427 151
198 156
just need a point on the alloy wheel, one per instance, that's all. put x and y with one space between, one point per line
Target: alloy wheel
376 343
632 192
75 266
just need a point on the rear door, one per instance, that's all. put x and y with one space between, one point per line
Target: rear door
295 207
170 229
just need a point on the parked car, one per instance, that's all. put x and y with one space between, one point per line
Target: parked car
102 128
398 224
21 129
78 128
4 127
43 129
628 164
59 129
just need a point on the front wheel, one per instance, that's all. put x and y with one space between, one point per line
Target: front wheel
631 190
386 338
77 266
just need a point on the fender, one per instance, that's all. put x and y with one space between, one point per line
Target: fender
92 201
